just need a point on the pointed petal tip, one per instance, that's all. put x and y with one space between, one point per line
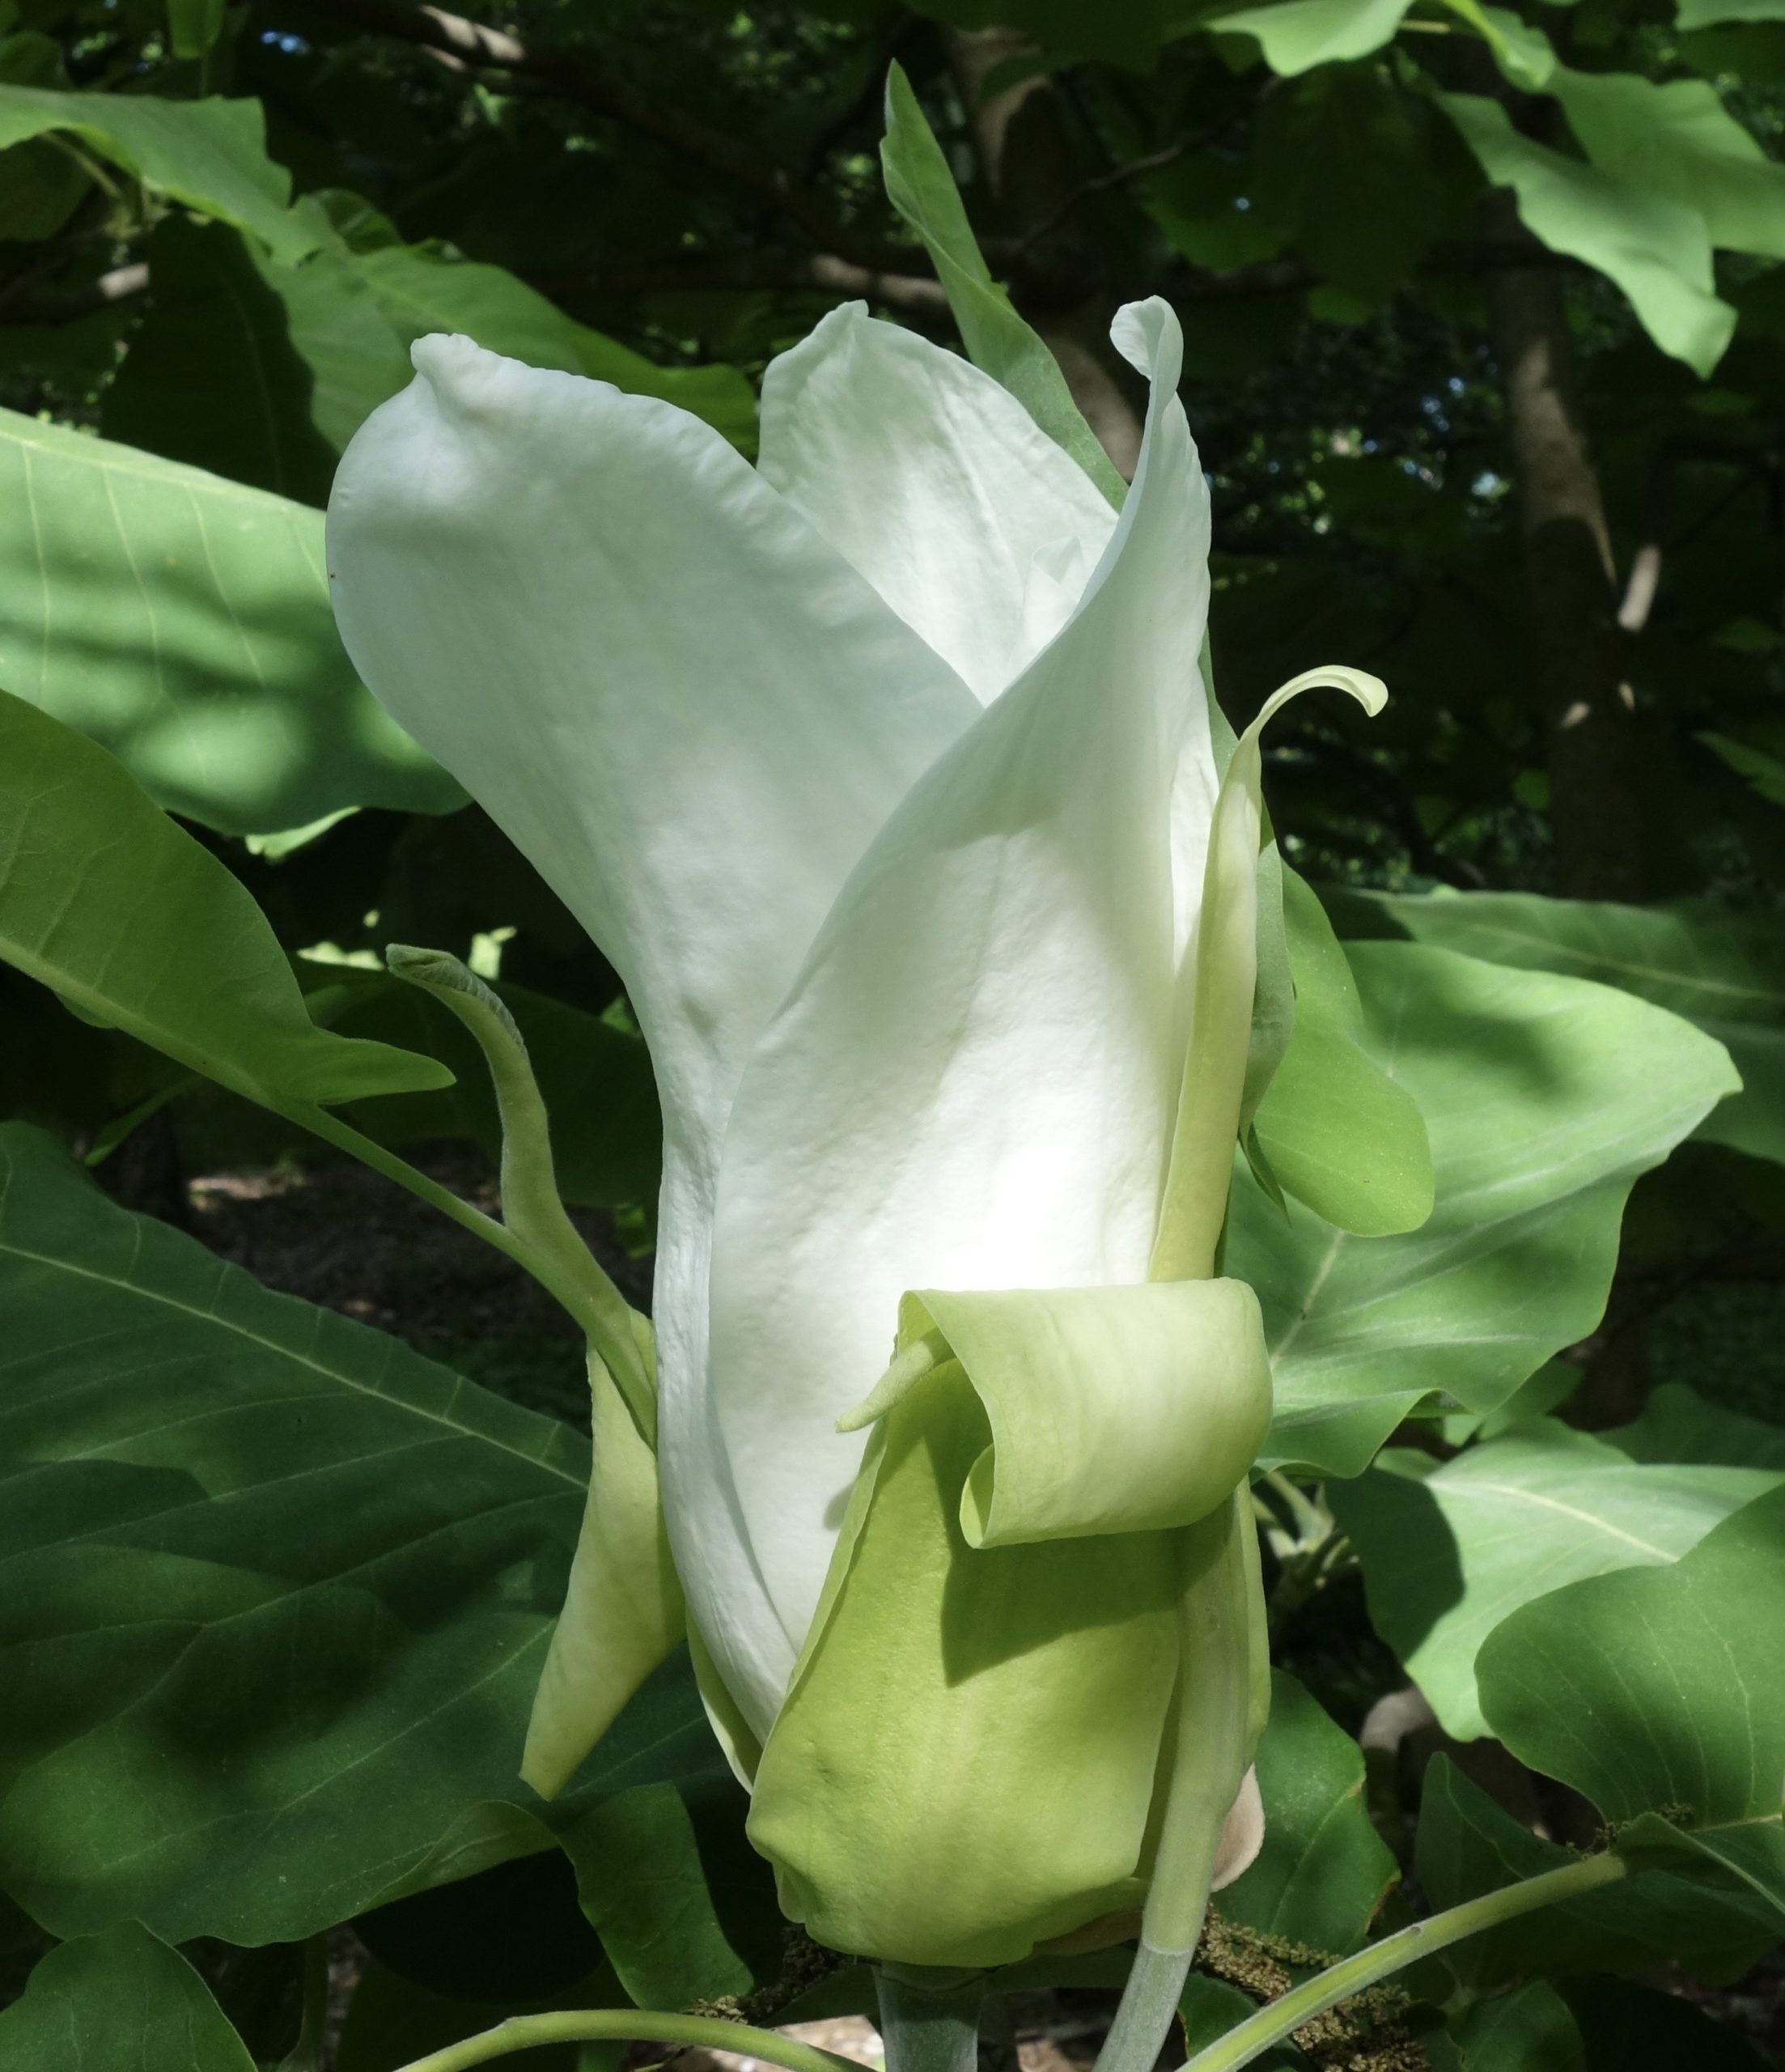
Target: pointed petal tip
1149 337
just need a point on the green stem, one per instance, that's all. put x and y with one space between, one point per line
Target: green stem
1274 2024
1214 1737
929 2018
629 2025
596 1324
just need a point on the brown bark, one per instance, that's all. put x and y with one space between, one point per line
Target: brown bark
1030 169
1591 735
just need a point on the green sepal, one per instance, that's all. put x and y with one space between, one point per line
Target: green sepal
920 186
951 1778
1110 1409
622 1612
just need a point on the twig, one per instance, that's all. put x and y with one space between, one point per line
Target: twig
574 75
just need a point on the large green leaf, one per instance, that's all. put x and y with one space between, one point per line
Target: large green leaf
1659 1693
1655 248
211 154
1544 1098
211 376
276 1592
1677 1425
132 921
184 621
121 2002
1323 1870
1726 972
1448 1555
1678 140
1701 14
1468 1846
921 187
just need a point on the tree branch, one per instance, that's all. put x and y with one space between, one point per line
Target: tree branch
115 286
786 272
573 75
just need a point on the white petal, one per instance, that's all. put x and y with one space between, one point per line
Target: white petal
971 1086
687 711
939 485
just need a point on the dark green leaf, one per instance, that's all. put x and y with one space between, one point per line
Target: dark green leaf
1529 2031
211 376
184 621
1323 1871
1634 2028
1678 1426
1342 165
121 2002
146 931
1468 1846
276 1593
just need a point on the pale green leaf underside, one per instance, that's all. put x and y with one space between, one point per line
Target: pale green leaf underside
1661 1692
184 621
1448 1556
1725 972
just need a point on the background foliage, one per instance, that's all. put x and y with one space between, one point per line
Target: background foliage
1487 361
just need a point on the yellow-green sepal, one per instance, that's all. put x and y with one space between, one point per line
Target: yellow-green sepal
622 1610
1110 1409
964 1763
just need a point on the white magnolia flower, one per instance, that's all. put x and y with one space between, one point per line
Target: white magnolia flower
882 772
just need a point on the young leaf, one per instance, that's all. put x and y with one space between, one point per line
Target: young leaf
105 899
1448 1556
1544 1098
206 657
920 186
121 2002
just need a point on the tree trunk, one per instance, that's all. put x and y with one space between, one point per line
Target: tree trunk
1031 171
1591 732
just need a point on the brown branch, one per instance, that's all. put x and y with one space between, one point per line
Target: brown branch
786 272
115 286
573 75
